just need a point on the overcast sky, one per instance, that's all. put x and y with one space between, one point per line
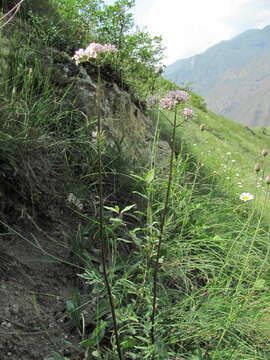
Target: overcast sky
191 26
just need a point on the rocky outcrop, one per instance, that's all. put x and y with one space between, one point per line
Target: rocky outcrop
125 126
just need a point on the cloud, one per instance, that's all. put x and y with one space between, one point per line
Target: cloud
192 26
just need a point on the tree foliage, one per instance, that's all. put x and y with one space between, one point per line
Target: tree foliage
72 24
139 53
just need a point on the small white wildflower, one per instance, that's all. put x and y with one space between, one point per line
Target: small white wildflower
228 153
94 134
78 55
246 196
233 161
74 201
71 197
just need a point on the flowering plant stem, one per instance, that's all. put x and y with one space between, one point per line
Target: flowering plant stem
101 217
162 225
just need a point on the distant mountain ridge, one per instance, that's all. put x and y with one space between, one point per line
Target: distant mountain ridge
233 76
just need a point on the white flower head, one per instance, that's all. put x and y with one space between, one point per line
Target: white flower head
174 98
73 200
168 103
187 113
245 196
94 134
92 51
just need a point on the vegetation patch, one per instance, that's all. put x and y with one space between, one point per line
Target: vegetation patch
130 229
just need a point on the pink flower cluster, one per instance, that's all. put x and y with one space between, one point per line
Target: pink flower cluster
167 103
187 113
173 98
92 51
180 96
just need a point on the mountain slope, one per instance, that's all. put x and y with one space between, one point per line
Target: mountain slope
227 150
233 76
63 185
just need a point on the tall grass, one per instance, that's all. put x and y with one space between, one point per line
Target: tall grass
212 288
213 272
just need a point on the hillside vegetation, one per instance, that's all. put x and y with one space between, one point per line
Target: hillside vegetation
123 235
233 76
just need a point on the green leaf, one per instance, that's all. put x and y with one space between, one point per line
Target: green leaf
135 239
149 177
140 194
124 240
260 284
128 343
57 356
96 336
137 177
103 308
115 209
117 221
127 208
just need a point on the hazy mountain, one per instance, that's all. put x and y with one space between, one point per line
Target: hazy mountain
233 76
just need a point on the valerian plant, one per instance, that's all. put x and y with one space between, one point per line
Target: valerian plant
98 51
138 53
169 102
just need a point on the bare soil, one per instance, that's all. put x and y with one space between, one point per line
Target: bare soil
34 288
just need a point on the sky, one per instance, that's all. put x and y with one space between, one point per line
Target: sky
189 27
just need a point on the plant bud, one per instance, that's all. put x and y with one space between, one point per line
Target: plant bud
202 127
257 167
187 113
94 134
264 152
267 179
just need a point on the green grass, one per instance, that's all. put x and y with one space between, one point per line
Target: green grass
219 245
213 287
228 151
213 298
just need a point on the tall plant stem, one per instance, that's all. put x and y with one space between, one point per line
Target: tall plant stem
150 199
162 225
101 217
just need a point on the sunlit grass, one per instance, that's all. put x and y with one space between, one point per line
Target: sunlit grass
213 294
